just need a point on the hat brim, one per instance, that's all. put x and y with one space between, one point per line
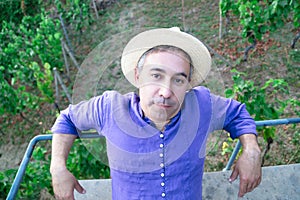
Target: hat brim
138 45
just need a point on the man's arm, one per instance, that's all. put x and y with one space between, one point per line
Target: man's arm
85 115
63 181
232 116
248 166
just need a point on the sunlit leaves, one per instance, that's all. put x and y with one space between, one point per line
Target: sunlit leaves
259 17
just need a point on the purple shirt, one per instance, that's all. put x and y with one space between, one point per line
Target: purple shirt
145 162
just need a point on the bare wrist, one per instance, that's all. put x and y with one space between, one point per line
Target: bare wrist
54 169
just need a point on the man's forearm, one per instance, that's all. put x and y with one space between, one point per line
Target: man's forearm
61 145
248 166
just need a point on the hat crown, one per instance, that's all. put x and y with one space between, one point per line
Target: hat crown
175 28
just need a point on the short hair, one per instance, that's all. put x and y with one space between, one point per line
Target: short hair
165 48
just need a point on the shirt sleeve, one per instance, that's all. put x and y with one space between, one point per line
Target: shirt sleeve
232 116
85 115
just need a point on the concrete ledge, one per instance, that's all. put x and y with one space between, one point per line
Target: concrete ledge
278 183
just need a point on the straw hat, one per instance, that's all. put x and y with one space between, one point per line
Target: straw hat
200 56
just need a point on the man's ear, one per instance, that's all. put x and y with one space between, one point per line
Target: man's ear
136 75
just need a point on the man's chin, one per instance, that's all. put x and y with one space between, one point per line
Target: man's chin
161 117
160 114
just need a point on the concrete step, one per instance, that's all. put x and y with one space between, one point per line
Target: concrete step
278 183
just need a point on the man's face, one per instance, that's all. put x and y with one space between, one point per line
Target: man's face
163 82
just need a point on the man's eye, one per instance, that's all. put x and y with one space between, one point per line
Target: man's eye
155 76
179 81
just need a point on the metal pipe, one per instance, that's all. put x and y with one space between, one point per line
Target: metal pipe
65 32
28 153
65 46
64 87
16 184
21 171
233 155
274 122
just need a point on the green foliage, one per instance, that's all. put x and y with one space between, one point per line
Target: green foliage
257 98
34 42
31 48
14 11
43 80
76 13
228 146
258 17
84 164
259 103
263 102
6 179
37 176
81 162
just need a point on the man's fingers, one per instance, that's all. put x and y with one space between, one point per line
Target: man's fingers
242 189
79 188
258 181
65 197
247 186
233 175
250 187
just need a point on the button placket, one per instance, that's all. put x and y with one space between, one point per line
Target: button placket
162 165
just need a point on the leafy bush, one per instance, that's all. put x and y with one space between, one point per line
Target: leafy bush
259 17
81 162
257 98
85 163
6 179
76 13
37 176
26 51
31 48
258 102
14 11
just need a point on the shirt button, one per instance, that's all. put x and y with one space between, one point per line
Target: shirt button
161 135
162 184
161 164
161 155
161 145
163 194
162 174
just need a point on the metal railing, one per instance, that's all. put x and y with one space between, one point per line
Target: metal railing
259 124
28 153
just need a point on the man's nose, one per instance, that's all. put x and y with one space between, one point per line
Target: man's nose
165 91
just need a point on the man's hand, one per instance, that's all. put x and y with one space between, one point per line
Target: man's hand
248 166
64 183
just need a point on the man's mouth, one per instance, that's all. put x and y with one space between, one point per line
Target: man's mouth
163 102
163 105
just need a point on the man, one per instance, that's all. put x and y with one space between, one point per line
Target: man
156 140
